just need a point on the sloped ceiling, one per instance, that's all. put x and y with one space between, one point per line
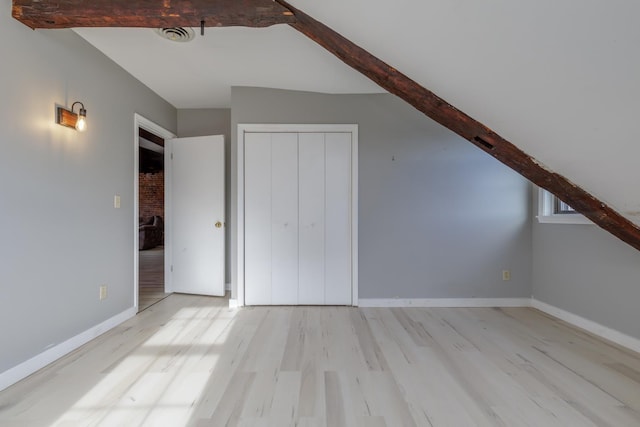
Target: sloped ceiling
561 80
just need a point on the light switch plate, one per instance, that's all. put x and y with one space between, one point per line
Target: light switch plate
103 292
116 201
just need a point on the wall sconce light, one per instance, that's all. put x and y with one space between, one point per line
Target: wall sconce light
70 119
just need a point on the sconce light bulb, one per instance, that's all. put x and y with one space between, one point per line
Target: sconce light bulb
81 123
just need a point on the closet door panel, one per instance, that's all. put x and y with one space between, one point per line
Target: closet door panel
311 212
257 218
284 218
338 219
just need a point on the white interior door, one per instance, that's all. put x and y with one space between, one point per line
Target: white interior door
258 218
312 220
284 218
197 215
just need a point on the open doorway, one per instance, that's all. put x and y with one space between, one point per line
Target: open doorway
151 219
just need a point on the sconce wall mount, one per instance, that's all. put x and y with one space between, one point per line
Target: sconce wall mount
69 118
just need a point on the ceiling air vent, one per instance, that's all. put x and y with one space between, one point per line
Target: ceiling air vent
176 34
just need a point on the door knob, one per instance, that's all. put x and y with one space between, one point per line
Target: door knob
218 224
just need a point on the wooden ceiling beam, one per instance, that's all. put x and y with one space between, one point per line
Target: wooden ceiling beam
150 13
478 134
143 133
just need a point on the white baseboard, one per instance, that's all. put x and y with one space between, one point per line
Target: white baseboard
233 303
23 370
444 302
589 325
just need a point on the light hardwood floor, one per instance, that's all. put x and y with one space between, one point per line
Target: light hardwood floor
150 277
189 360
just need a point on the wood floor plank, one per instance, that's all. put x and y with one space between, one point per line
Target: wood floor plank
373 356
296 339
311 392
284 408
335 410
191 361
229 410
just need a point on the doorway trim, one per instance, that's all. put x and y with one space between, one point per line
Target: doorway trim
140 121
298 128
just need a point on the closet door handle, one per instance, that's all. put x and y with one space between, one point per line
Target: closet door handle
218 224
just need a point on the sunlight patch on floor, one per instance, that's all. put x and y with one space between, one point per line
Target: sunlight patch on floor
162 379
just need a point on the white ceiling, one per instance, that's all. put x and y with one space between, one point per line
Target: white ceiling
200 73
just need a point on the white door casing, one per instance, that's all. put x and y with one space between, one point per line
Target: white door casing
338 236
195 221
312 218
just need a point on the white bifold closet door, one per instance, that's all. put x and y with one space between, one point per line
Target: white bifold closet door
298 218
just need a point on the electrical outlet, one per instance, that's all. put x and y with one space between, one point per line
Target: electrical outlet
103 292
506 275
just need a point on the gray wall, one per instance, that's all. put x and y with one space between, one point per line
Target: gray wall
586 271
205 121
60 237
438 217
212 121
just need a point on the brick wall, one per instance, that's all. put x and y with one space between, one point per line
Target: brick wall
151 194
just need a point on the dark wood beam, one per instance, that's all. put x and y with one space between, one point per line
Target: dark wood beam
143 133
150 13
450 117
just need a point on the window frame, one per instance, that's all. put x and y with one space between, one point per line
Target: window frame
548 206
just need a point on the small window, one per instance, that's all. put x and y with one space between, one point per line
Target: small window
561 208
553 210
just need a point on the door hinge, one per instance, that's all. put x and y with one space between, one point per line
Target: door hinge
172 268
171 156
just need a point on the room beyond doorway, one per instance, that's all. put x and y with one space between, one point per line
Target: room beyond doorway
151 214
